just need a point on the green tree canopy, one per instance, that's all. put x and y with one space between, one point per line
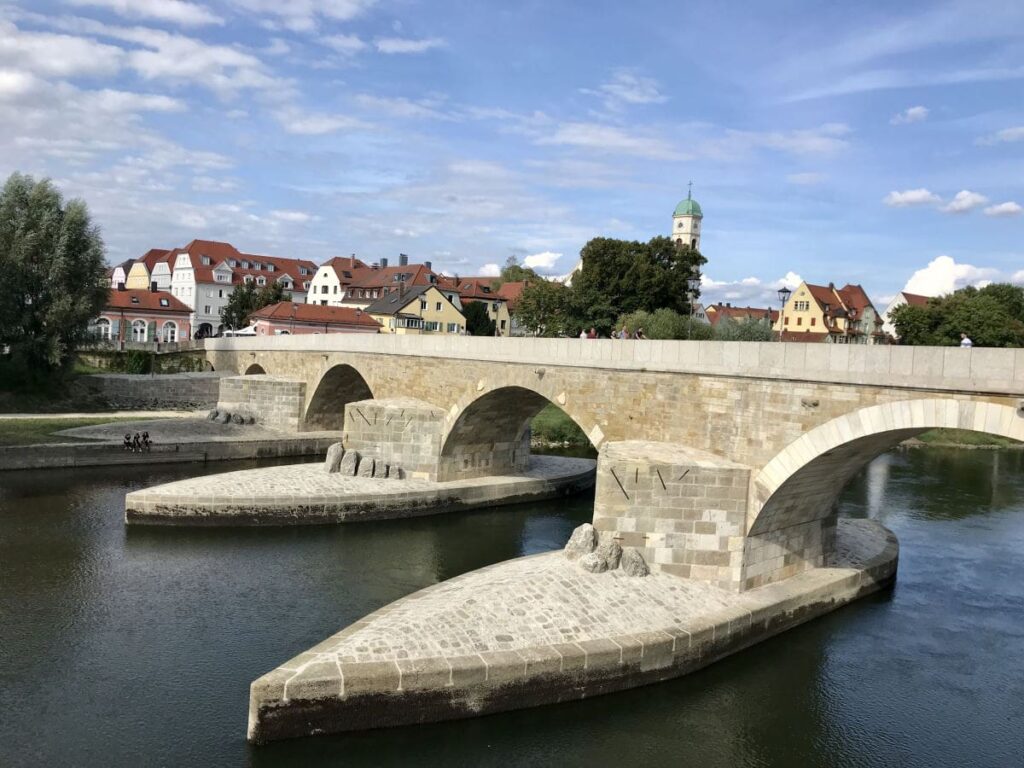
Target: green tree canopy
52 260
248 298
514 272
545 308
477 321
992 316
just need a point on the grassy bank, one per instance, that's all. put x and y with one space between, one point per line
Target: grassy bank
38 431
553 426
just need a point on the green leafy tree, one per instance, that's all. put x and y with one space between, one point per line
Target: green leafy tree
545 308
992 316
514 272
619 277
914 325
748 329
52 260
248 298
477 321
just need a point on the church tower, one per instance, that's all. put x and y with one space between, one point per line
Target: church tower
686 222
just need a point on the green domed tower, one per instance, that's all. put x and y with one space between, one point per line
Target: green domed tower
686 222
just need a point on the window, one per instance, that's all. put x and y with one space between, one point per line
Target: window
138 330
432 325
323 302
103 328
170 333
245 265
801 306
164 303
786 321
494 306
270 267
814 321
305 285
247 278
261 280
205 260
323 289
232 263
437 307
423 306
135 299
335 289
799 321
206 310
220 294
503 325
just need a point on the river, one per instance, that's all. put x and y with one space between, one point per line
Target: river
136 647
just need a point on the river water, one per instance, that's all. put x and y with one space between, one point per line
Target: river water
136 647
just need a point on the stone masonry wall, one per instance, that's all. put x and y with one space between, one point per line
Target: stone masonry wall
273 402
684 510
177 390
400 431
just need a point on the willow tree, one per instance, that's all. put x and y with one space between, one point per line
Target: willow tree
52 277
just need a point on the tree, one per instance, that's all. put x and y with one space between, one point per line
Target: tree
619 277
748 329
992 316
477 321
914 325
514 272
52 260
247 298
545 308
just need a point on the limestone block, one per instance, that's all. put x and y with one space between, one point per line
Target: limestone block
349 463
334 456
632 563
366 466
582 542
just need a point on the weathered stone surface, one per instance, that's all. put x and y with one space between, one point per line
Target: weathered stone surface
212 414
334 456
632 563
380 469
366 466
582 542
593 563
250 419
237 418
223 417
610 553
349 463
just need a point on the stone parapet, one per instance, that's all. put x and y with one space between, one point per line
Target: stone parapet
171 390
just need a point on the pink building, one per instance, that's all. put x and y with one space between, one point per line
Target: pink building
143 315
287 317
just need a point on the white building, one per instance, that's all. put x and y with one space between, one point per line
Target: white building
900 299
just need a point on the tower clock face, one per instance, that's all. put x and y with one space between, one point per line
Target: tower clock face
680 225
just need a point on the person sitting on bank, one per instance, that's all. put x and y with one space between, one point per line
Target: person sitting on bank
127 441
137 443
146 442
965 341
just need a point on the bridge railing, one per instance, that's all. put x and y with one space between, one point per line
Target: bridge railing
948 369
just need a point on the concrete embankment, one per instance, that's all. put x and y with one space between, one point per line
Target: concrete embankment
306 494
540 630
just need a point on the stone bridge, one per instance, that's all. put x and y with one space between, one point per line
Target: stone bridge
720 461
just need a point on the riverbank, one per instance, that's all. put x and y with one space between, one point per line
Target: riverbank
306 494
540 630
963 439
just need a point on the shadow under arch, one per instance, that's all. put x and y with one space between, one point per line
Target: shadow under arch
339 386
254 370
793 515
492 434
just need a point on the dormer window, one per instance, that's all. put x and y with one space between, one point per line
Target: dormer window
205 260
485 288
261 280
232 262
164 303
270 267
135 299
305 285
245 265
247 278
303 271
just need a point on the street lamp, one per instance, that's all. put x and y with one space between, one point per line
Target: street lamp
692 284
784 294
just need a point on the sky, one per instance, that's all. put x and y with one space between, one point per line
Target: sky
873 143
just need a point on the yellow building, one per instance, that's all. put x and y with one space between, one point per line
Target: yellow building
420 309
138 277
819 313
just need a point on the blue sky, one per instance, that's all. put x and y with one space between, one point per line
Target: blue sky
873 143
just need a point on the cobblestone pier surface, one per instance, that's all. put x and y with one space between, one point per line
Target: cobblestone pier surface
306 494
539 630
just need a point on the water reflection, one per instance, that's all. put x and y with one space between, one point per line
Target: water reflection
127 647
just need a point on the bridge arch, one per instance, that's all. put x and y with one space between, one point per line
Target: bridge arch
339 385
254 370
792 521
490 435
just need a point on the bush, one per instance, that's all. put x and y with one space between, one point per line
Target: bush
746 330
553 425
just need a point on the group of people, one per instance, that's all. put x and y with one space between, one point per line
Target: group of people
623 334
137 444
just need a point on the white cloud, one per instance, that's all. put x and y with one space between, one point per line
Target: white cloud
490 270
542 261
1005 136
213 184
15 84
944 275
349 45
910 197
749 291
607 138
965 201
401 107
52 55
303 15
407 45
1009 208
301 123
1018 277
806 179
824 140
910 115
175 11
625 88
293 217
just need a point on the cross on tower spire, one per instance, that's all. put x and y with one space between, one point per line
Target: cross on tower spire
689 191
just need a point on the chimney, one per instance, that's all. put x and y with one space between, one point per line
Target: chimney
152 287
384 263
428 265
403 260
120 286
401 289
352 261
831 286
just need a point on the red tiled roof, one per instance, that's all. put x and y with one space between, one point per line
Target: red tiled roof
314 313
153 256
512 292
807 336
145 300
824 294
470 288
916 299
384 277
219 253
347 268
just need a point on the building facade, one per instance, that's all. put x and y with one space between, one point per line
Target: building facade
418 310
819 313
288 317
142 316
